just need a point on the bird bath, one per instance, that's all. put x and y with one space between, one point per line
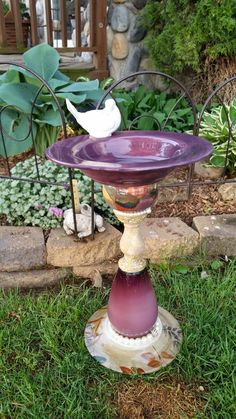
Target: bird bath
132 334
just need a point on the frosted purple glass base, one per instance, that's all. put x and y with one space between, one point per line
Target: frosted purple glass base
132 307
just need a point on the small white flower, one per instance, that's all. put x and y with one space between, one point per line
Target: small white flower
204 275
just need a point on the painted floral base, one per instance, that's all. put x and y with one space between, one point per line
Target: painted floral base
141 355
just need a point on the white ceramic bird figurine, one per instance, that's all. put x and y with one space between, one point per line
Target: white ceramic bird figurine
99 123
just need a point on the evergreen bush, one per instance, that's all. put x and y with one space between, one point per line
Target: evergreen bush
189 34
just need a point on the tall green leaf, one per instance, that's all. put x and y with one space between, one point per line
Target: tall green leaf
81 86
16 133
19 95
43 59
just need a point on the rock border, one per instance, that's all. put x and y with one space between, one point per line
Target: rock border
26 261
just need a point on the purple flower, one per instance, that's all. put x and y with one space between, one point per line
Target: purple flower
57 212
66 186
38 206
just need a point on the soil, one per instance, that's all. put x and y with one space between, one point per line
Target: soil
13 161
166 399
204 200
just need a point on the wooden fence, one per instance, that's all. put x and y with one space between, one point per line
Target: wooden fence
13 26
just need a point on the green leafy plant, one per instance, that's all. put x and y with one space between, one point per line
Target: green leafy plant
216 264
216 126
26 203
18 90
188 34
6 8
148 110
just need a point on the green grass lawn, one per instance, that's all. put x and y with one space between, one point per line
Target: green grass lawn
46 371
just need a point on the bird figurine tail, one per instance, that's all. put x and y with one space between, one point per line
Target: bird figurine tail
72 109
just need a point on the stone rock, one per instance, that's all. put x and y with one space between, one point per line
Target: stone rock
131 8
139 4
86 30
152 82
110 35
137 31
110 13
120 46
105 268
66 251
33 279
87 12
21 248
116 67
217 234
202 170
228 191
168 238
133 61
172 194
120 19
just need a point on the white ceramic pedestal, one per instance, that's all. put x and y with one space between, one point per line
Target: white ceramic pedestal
143 354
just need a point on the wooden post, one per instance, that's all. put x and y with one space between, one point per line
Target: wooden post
101 39
49 21
76 195
15 8
77 24
63 23
33 21
92 22
3 38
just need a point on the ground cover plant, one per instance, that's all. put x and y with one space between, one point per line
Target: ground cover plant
42 205
47 372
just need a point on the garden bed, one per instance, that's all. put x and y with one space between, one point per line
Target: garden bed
204 200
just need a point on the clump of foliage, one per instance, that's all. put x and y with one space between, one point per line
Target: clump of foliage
218 126
18 91
187 34
6 7
147 110
26 203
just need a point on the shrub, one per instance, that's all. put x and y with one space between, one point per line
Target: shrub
26 203
189 34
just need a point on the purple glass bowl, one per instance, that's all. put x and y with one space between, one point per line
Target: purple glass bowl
129 157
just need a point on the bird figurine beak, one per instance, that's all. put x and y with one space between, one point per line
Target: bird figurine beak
99 123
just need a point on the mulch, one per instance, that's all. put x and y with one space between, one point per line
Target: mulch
204 200
13 161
